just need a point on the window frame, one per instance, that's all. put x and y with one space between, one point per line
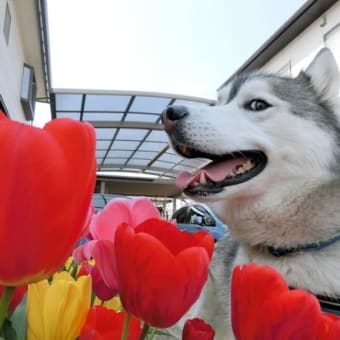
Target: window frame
3 106
330 32
28 91
7 24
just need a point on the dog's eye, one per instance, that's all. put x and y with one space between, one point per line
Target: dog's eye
257 105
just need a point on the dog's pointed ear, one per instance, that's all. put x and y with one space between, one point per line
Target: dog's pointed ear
324 74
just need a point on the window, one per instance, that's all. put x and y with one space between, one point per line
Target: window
7 24
180 215
332 41
206 218
28 91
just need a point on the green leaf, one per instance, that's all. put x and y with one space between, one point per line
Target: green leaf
8 331
19 320
156 331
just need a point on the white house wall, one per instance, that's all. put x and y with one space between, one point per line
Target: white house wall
300 52
11 63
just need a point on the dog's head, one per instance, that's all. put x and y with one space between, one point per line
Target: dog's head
266 133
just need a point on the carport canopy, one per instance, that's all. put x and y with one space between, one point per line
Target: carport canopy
132 150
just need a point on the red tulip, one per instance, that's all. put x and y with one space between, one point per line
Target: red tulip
106 324
197 329
263 308
16 296
161 270
47 177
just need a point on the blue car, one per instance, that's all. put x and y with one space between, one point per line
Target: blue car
195 217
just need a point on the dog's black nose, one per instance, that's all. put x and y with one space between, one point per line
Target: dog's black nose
175 112
172 114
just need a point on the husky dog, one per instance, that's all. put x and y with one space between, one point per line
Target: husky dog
274 177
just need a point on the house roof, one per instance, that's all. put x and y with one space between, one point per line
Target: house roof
29 21
299 21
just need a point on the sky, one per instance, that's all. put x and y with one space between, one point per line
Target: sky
187 47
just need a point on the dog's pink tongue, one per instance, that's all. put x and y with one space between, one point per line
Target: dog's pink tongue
214 172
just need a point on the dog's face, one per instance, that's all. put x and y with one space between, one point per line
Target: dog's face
267 134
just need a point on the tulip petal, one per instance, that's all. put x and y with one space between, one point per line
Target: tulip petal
84 252
196 328
58 310
103 253
175 239
154 284
46 191
120 210
105 324
36 293
263 308
99 287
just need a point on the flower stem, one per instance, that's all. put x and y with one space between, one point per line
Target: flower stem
125 331
144 332
4 303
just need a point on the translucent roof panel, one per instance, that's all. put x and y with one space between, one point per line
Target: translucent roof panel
149 104
131 134
119 153
141 117
101 153
102 116
72 115
145 154
149 146
103 144
157 136
125 145
69 102
106 103
115 160
130 137
168 157
105 133
137 161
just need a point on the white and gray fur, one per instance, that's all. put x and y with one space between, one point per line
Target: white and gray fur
294 200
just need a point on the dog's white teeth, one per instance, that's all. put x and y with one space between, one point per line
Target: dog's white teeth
240 170
247 166
203 179
233 174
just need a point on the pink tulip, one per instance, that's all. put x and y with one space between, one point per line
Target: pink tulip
104 224
103 228
100 289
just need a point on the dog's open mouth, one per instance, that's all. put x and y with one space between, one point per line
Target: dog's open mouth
229 169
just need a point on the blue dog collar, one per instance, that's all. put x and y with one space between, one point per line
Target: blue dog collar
281 251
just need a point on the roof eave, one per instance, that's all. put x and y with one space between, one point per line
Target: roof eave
301 19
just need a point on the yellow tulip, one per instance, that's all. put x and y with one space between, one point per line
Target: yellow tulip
57 310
